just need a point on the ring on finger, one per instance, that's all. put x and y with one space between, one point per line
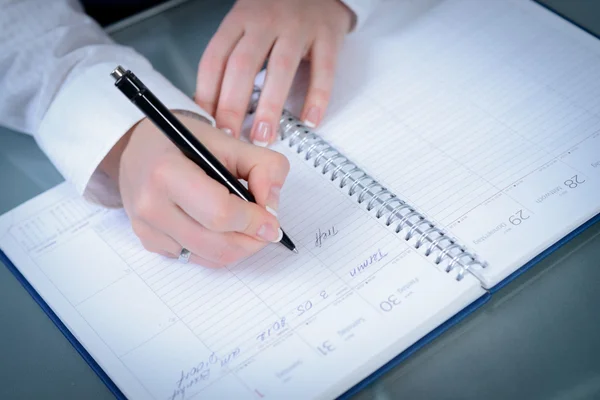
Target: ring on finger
184 256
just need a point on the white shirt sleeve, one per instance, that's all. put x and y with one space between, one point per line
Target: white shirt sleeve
55 83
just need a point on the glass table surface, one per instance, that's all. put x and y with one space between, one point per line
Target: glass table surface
538 338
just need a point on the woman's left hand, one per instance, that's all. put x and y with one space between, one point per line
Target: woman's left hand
285 32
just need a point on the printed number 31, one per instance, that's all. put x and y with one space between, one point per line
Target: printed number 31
326 348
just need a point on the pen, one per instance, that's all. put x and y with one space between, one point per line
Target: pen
189 145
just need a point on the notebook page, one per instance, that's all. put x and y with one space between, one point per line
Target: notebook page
483 114
276 325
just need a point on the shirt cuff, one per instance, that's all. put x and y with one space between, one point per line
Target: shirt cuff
88 117
362 10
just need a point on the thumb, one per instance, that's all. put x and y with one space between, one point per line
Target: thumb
265 170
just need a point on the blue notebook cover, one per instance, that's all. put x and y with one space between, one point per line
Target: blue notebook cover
61 327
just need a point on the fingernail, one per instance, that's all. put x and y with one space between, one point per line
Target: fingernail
312 117
273 198
269 209
227 131
268 233
262 134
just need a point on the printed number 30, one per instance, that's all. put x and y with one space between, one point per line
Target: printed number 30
388 305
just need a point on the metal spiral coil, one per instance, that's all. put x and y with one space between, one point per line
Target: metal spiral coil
398 214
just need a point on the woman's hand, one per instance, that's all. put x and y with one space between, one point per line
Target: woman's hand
285 32
172 203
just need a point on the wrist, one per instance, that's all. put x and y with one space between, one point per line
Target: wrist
112 161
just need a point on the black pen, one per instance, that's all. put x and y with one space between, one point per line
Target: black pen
189 145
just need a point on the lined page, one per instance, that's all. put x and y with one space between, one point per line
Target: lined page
483 114
275 325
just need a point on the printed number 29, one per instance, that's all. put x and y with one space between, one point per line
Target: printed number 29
517 218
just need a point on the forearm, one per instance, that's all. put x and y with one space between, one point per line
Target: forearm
45 44
55 84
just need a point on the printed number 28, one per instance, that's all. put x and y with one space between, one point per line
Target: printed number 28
573 182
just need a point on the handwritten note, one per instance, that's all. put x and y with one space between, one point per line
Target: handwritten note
322 236
373 259
201 372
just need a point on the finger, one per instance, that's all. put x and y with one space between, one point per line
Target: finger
204 262
210 204
217 247
242 66
212 64
153 240
194 259
322 71
158 242
265 171
281 68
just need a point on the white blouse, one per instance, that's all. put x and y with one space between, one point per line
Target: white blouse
55 84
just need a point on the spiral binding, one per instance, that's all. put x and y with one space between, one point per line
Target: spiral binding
398 214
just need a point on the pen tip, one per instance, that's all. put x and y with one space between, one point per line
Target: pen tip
295 250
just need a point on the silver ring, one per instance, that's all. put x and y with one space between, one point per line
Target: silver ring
184 256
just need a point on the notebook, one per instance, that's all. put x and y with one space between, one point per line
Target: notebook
462 144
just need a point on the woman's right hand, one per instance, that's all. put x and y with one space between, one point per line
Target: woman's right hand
172 203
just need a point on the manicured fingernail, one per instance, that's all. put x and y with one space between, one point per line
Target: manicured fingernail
268 233
273 198
262 134
269 209
312 117
227 131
